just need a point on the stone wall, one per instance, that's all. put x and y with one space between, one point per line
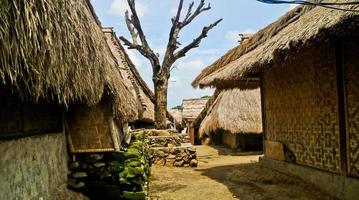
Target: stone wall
113 175
33 167
167 141
174 156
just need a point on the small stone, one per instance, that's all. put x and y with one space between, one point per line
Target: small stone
160 162
96 156
193 163
79 175
192 150
171 156
76 185
172 151
99 164
186 165
178 163
160 154
74 165
170 145
192 156
170 162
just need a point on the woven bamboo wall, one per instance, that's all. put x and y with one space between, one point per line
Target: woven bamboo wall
301 108
351 53
18 118
89 128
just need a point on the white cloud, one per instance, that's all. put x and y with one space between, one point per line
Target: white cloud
119 7
234 35
191 65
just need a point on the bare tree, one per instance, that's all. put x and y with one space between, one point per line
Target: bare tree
161 71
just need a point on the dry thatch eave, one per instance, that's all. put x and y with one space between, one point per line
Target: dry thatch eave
236 111
197 122
143 95
55 50
292 32
52 50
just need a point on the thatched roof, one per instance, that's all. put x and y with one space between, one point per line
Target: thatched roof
133 80
234 110
176 114
293 31
192 108
55 50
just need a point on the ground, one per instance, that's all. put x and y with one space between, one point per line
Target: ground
222 175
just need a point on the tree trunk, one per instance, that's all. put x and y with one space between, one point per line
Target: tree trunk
161 88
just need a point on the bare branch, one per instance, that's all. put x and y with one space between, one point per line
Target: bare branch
135 21
190 17
134 26
146 52
189 11
131 28
175 19
195 43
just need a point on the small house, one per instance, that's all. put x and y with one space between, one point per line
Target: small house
306 62
233 120
191 109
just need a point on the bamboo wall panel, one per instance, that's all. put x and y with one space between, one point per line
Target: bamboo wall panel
19 118
89 129
352 101
302 108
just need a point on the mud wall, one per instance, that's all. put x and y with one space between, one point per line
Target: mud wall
33 167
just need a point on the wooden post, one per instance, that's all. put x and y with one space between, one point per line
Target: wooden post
263 110
340 69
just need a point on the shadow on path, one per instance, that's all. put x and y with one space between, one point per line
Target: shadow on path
253 181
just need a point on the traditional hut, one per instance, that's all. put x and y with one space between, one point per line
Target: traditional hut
307 64
234 120
52 58
191 109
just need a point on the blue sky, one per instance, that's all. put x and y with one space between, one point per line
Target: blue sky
239 16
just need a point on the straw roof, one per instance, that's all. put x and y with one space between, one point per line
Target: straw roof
132 78
192 108
234 110
55 50
176 114
293 31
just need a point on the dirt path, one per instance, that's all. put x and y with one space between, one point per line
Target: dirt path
224 177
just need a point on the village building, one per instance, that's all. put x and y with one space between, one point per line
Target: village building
62 82
233 119
191 110
306 62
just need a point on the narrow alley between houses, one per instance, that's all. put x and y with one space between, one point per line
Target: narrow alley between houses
222 174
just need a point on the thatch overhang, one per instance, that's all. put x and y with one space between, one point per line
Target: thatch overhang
192 108
177 115
197 122
132 78
236 111
55 50
295 30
